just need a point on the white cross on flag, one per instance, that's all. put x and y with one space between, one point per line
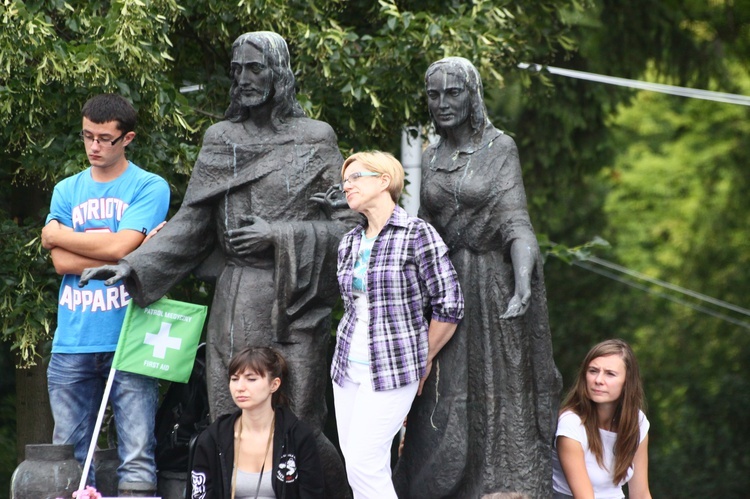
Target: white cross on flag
160 340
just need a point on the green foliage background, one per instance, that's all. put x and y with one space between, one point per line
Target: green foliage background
661 179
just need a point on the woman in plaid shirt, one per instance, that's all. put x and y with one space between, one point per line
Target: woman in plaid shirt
402 302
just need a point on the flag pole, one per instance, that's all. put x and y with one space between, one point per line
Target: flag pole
97 428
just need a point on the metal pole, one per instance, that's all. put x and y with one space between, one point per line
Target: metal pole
411 158
97 428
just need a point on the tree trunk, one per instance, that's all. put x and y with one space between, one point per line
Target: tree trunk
33 415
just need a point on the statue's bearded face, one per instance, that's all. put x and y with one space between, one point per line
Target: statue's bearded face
253 76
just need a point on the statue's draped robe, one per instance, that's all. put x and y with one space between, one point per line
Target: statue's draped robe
485 420
280 297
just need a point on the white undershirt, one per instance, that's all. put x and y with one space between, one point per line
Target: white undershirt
359 347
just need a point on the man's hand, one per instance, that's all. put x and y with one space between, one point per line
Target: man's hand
253 238
49 232
154 231
110 274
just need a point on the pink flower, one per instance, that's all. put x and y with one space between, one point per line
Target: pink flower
88 493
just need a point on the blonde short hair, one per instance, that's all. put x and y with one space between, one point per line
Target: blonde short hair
383 163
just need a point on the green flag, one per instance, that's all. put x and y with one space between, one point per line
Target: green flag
160 340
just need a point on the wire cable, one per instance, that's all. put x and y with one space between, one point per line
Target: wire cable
673 287
671 298
742 100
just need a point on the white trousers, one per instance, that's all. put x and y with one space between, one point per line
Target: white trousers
367 422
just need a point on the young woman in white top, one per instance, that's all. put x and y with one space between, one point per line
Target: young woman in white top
602 433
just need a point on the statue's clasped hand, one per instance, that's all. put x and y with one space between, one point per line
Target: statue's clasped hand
254 237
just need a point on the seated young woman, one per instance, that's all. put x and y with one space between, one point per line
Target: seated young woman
602 432
261 450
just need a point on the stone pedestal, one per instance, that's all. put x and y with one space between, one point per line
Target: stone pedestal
49 471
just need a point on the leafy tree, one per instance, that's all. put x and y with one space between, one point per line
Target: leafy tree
359 66
671 204
678 211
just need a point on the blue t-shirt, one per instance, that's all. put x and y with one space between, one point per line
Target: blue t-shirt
89 319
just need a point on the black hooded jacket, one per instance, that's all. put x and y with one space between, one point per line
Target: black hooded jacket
297 472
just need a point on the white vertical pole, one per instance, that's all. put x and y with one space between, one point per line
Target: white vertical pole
411 158
97 428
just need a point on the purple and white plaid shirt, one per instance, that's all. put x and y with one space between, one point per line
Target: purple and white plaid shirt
410 280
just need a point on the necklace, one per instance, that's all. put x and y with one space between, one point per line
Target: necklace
238 442
611 426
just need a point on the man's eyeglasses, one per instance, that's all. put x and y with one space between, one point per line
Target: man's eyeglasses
89 139
354 176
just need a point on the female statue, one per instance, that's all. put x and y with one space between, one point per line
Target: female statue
485 420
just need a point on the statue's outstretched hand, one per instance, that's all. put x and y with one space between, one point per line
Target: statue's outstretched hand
330 200
110 274
255 237
517 306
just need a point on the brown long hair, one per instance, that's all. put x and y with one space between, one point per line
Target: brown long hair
626 417
267 363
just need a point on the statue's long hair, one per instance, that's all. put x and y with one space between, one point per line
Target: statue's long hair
464 68
626 417
284 99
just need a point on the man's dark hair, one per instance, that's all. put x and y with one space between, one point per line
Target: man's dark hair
104 108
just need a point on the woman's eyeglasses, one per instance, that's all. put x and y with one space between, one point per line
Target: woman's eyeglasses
354 176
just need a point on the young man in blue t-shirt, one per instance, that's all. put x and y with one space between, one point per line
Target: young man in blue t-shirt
97 217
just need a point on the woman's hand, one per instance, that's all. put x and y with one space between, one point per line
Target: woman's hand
438 335
638 485
427 370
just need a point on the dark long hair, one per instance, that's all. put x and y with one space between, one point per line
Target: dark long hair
466 70
266 362
626 417
284 99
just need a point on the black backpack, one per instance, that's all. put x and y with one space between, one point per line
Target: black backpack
182 415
